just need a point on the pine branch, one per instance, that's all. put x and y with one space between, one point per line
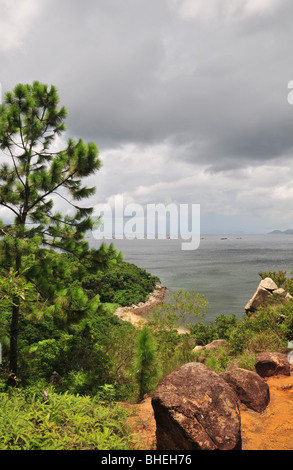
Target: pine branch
40 198
63 197
8 207
15 167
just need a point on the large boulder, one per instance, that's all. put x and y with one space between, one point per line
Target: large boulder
268 364
195 409
268 284
266 288
260 296
251 389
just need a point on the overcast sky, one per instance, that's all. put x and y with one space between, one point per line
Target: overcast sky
186 99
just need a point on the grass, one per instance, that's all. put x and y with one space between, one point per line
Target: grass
31 421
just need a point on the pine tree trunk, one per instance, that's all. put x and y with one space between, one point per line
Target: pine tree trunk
13 343
14 333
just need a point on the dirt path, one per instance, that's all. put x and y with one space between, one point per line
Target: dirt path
271 430
142 422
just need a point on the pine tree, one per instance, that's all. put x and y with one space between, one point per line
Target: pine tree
32 176
146 362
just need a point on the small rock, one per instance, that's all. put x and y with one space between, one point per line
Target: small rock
217 343
198 348
281 292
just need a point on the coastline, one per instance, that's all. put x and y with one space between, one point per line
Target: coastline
134 313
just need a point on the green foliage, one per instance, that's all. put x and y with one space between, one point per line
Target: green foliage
41 419
262 332
218 360
15 286
220 328
166 321
146 362
73 332
180 310
122 283
278 277
35 172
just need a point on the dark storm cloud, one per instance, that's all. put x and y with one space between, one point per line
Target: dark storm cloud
138 72
183 97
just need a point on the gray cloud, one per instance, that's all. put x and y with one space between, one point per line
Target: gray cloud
203 83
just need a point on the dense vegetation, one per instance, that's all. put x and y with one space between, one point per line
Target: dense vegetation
268 329
76 333
103 360
36 419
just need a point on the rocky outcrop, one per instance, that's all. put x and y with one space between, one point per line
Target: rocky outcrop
196 409
217 343
272 363
267 287
251 389
134 313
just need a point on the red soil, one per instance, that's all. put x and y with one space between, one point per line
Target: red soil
271 430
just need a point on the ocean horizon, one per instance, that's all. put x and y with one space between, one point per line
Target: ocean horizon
225 268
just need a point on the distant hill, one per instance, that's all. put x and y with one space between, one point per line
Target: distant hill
286 232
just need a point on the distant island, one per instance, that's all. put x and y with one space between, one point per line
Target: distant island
286 232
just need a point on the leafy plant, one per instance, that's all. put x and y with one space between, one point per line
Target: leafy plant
121 283
38 419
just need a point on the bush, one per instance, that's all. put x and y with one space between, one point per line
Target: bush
123 283
221 328
280 279
38 419
265 331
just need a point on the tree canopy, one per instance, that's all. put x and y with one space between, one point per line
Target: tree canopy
34 175
34 172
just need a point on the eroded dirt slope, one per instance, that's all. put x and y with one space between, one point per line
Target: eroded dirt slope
271 430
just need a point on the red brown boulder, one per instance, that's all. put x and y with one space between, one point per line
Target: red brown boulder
195 409
272 363
251 389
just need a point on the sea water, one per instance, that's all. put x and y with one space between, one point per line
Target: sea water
224 268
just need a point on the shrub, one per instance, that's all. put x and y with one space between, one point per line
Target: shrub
146 362
37 419
220 328
278 277
121 283
218 360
